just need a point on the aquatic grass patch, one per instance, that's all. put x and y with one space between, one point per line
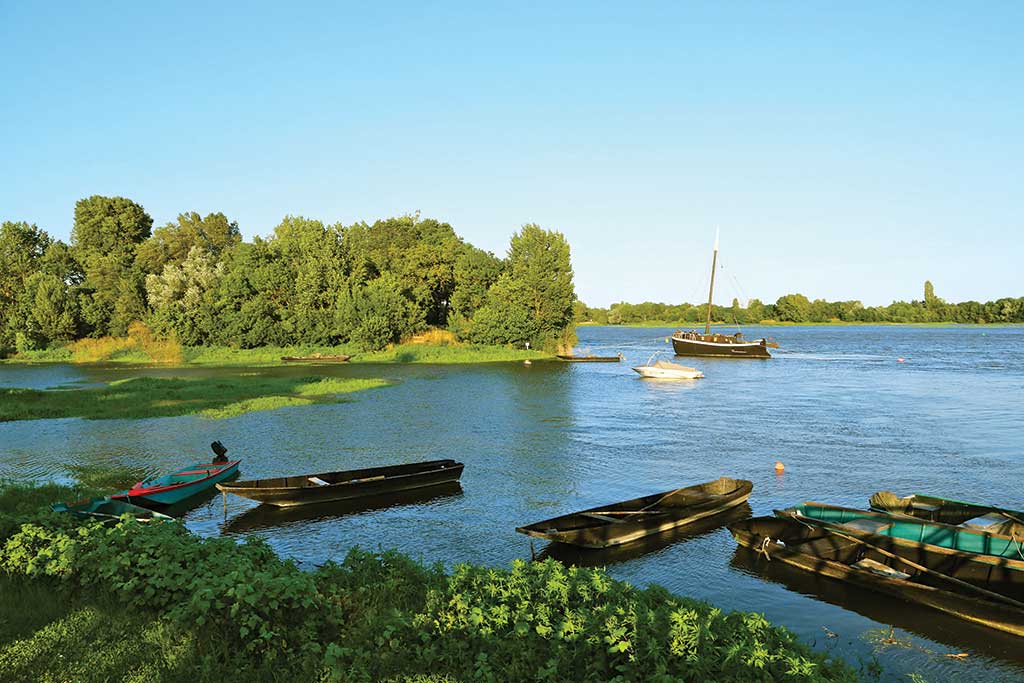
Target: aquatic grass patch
147 397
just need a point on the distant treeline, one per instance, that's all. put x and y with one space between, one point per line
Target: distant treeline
196 281
797 308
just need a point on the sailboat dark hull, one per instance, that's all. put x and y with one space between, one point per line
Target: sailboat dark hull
718 345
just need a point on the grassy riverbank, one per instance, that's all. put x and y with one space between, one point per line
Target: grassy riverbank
153 602
145 397
271 355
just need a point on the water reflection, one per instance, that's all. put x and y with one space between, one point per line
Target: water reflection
954 633
263 517
602 557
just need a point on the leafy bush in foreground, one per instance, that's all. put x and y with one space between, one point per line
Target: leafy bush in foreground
386 617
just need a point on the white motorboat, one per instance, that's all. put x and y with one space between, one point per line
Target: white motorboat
664 369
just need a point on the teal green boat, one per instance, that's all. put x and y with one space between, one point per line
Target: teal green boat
990 561
108 508
960 538
988 518
181 485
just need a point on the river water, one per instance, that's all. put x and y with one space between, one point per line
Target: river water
834 405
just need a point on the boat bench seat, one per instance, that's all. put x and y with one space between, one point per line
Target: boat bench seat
990 522
190 472
931 511
880 569
872 526
603 518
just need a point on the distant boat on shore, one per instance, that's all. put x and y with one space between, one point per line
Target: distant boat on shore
693 343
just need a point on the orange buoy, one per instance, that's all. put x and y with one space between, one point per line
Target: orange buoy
779 467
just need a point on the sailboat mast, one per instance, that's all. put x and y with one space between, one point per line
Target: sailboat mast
711 290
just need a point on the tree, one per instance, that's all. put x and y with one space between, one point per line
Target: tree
105 236
534 295
22 247
793 308
173 242
313 256
376 314
182 298
475 272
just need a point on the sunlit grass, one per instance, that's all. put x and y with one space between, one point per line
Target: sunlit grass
145 397
433 348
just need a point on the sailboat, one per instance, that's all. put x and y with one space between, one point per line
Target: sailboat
693 343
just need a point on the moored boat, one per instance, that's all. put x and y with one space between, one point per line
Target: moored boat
618 523
315 358
664 369
693 343
109 509
962 538
943 548
821 551
322 487
181 485
935 509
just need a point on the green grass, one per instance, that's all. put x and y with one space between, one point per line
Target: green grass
216 356
145 397
50 635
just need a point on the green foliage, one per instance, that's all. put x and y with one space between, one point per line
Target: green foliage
195 282
532 301
383 616
144 397
376 315
796 308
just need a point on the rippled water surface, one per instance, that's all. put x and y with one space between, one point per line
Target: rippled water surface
834 405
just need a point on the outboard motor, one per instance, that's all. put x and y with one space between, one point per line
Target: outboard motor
219 451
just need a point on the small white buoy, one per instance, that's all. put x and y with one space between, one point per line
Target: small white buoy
899 360
527 362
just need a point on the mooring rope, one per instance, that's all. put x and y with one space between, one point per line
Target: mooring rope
763 548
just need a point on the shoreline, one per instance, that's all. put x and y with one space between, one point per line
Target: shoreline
410 353
776 323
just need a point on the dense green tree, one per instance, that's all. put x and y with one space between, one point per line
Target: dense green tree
793 308
313 256
182 298
376 314
475 272
534 295
22 248
173 242
105 237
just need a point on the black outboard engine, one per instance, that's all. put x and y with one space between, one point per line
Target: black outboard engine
219 451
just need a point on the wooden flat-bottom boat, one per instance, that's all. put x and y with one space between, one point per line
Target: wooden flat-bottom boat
911 539
181 485
618 523
343 485
315 358
821 551
589 359
109 509
905 527
988 518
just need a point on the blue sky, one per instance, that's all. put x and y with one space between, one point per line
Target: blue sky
848 151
